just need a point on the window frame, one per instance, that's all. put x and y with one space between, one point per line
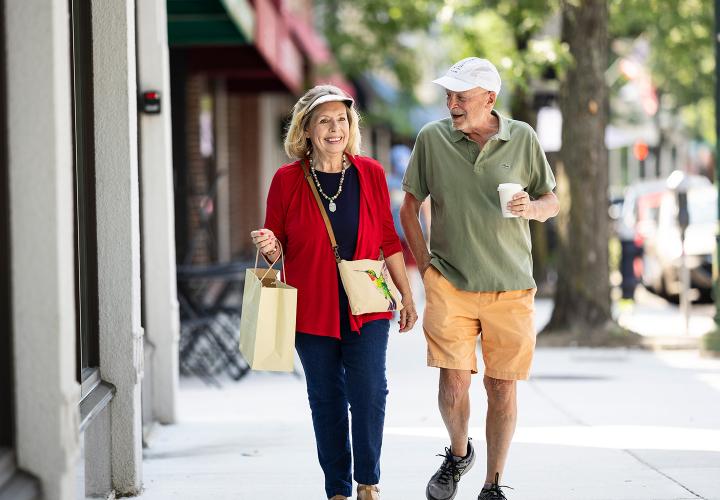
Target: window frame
86 275
7 417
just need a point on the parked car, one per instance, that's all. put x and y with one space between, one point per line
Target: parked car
636 221
663 248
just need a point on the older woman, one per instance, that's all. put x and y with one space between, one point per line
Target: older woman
343 355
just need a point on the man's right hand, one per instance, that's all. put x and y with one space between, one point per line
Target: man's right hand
423 269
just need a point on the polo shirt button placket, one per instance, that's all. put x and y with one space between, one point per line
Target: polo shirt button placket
477 167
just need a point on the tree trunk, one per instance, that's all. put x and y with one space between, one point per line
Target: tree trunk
582 297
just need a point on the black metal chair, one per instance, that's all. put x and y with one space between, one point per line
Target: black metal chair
210 300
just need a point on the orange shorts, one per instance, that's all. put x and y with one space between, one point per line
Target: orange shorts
503 320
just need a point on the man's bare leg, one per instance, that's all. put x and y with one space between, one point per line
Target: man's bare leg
454 404
500 423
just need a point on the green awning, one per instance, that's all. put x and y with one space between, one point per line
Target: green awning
210 22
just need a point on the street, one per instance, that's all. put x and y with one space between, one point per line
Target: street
593 424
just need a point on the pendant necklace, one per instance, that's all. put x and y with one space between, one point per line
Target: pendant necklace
331 206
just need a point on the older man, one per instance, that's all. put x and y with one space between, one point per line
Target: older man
478 271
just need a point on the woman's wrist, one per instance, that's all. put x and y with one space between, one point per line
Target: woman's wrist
271 255
273 251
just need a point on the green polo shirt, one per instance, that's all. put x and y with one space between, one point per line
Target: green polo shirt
471 243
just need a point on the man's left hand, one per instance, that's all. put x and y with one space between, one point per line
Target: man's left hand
521 205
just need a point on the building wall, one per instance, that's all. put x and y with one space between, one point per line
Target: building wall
40 186
118 233
222 165
275 110
244 160
161 317
42 251
247 150
200 167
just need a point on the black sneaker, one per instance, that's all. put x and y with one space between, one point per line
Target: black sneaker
443 484
493 492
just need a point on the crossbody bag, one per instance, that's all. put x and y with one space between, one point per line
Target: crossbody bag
367 282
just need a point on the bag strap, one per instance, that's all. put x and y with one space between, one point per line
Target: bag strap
279 257
324 214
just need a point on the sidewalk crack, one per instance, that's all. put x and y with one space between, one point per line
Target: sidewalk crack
667 476
556 405
579 421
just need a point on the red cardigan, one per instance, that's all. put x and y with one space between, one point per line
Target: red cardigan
293 215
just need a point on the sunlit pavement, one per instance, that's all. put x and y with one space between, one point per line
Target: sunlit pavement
593 424
653 316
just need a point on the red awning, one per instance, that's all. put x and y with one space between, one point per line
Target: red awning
283 41
313 46
273 41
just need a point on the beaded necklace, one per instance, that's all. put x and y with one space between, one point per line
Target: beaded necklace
332 206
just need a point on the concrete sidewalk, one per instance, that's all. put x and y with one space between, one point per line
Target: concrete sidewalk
662 323
593 424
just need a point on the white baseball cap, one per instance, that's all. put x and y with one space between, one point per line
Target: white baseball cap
470 73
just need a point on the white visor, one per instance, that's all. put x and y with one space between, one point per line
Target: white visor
331 98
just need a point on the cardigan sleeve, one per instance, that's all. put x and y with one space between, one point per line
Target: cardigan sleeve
275 211
390 241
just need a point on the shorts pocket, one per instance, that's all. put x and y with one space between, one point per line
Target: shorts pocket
510 295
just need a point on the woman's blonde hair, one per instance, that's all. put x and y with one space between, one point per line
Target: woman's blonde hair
297 146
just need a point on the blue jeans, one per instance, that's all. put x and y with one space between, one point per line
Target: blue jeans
341 372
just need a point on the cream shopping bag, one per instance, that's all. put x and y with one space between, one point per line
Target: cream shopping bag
267 325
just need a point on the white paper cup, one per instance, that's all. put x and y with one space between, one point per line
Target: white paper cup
506 192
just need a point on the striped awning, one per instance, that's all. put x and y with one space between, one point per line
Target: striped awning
210 22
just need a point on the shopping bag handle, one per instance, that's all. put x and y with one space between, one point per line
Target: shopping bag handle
281 256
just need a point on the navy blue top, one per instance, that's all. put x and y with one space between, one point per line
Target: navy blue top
344 221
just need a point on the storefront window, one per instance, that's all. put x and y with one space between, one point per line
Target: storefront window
85 230
6 370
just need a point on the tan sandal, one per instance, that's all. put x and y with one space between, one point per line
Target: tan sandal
368 492
339 497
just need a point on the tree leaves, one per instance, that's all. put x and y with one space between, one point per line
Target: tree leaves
682 58
369 35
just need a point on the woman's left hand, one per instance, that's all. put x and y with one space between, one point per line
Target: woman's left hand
408 315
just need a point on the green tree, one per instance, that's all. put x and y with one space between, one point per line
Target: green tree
371 38
377 36
582 299
510 33
682 55
371 35
681 61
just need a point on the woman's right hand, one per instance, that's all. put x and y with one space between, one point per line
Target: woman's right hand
265 241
